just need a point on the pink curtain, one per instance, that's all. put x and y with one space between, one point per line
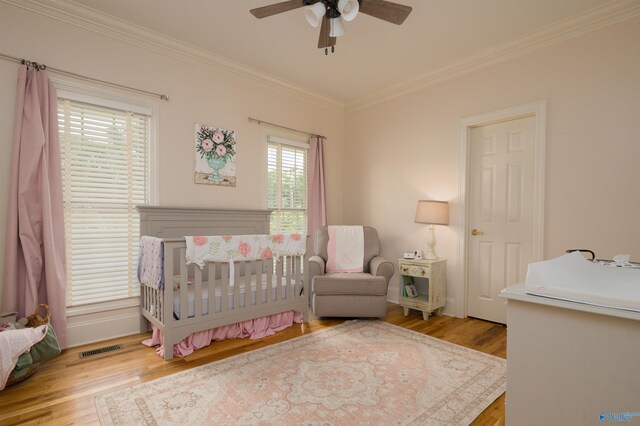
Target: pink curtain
316 198
35 261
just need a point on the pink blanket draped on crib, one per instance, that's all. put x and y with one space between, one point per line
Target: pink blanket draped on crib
254 329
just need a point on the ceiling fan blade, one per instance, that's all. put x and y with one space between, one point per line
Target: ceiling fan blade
324 40
274 9
385 10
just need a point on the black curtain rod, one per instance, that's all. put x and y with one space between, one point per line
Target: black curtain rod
255 120
40 66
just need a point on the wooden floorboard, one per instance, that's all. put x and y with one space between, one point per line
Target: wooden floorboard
62 391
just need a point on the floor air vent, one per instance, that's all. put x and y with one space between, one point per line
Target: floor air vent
99 351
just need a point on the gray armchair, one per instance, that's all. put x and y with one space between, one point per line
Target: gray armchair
352 294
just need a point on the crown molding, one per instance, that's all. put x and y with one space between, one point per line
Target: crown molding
591 20
98 22
101 23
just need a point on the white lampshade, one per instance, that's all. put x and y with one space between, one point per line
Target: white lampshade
432 212
314 13
337 29
348 9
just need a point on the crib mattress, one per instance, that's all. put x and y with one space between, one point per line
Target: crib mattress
251 299
571 277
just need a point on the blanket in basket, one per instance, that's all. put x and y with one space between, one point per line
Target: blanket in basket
14 343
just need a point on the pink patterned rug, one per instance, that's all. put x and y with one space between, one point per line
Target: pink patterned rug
358 373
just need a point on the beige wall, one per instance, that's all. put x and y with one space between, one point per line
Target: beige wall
396 152
197 95
407 148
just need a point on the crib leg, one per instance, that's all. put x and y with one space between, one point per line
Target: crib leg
144 324
168 345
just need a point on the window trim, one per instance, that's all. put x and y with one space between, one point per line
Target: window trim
107 103
96 307
288 141
113 98
283 137
265 133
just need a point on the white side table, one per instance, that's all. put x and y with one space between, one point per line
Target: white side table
429 278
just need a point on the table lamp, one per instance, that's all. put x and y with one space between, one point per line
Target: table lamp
432 213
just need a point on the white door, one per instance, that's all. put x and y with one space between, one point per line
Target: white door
501 182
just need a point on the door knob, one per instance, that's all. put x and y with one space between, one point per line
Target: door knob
474 231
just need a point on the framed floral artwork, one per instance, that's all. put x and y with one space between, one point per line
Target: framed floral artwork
215 156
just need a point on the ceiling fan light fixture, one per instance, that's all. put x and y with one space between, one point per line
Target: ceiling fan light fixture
337 28
332 14
315 13
348 9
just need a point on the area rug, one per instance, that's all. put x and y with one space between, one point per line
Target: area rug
357 373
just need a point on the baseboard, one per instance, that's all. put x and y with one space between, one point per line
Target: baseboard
95 327
393 294
451 307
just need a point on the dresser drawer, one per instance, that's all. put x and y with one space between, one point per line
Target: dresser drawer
415 270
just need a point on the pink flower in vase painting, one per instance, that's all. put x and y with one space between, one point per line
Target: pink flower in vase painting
296 237
207 145
218 137
221 150
200 241
244 248
278 238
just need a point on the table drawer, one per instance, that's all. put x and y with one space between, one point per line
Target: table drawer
415 270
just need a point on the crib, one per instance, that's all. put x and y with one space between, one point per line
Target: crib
222 292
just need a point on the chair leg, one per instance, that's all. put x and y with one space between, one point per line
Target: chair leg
406 311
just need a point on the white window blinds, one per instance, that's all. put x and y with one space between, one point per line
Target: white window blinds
287 185
104 154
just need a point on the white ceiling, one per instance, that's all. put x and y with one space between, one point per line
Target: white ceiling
371 56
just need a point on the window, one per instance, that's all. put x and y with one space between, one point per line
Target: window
287 185
105 163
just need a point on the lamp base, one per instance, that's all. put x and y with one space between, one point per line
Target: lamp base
430 255
431 244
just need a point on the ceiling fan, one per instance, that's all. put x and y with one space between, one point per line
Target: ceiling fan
332 13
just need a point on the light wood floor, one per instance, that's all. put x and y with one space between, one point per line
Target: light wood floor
62 390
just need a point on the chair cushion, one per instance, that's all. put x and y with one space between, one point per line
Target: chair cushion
349 283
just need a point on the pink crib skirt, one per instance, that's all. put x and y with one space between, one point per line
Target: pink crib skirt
254 329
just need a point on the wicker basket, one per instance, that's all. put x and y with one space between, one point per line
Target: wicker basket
36 320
